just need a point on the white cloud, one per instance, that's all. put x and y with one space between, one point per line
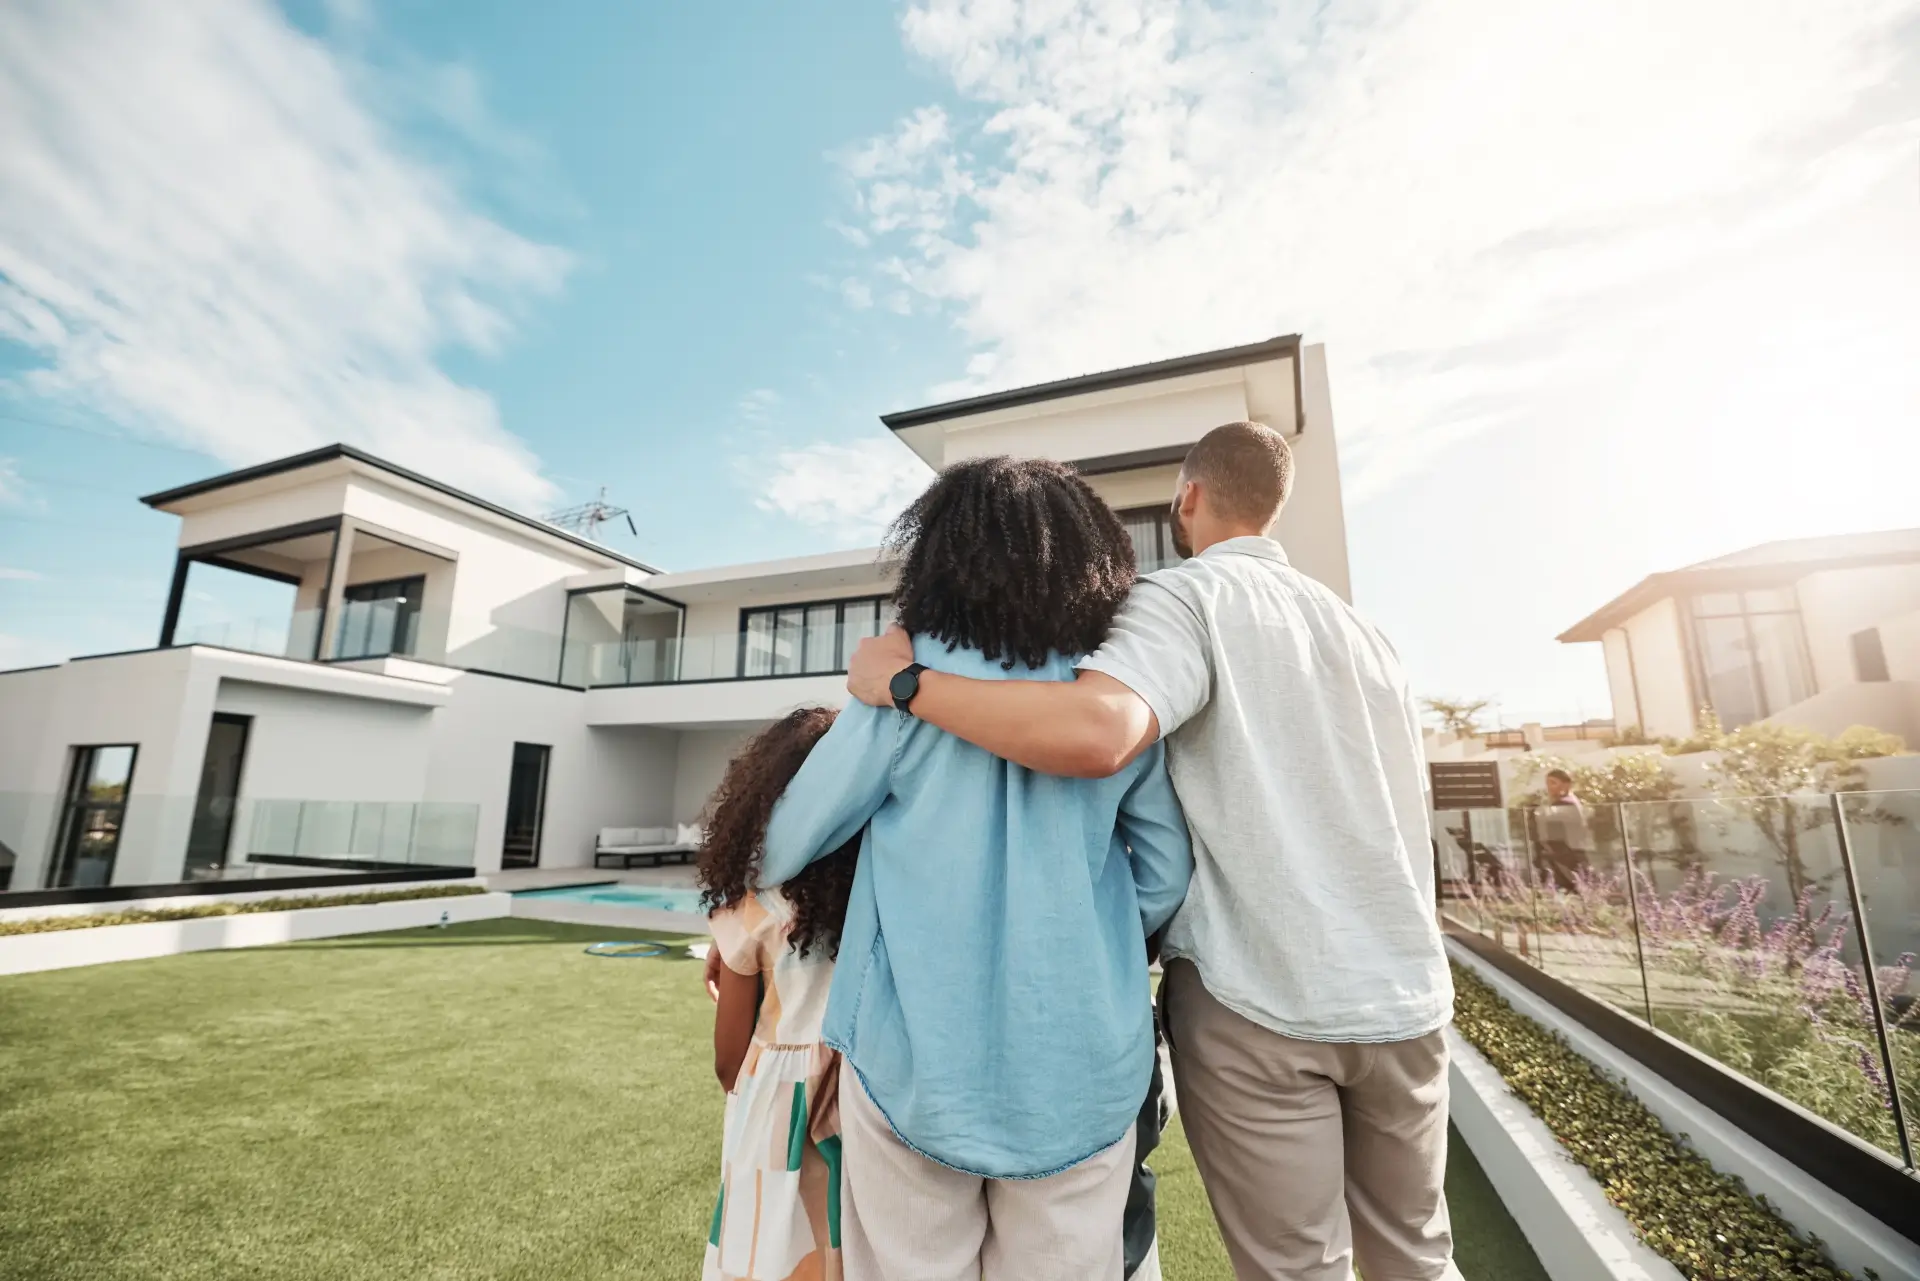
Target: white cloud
26 651
8 574
851 491
206 233
1691 218
757 405
13 487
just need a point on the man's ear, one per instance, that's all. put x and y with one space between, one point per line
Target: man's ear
1188 499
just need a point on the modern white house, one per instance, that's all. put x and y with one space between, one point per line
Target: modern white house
1823 633
449 684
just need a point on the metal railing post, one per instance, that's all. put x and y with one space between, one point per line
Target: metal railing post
1633 904
1873 980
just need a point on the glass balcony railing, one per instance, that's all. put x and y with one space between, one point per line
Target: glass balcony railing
48 841
734 655
293 635
1776 935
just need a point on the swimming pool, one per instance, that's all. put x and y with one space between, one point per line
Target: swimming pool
659 898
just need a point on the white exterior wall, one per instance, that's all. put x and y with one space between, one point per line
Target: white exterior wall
1115 423
1660 661
509 590
1622 677
295 503
700 761
1900 638
1840 602
1313 525
596 778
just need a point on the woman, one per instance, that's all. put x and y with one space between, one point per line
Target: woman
991 996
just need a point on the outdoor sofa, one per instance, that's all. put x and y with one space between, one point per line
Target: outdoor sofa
649 846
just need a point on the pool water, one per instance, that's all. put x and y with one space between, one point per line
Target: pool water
660 898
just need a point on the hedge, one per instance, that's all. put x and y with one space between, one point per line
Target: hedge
1702 1221
142 916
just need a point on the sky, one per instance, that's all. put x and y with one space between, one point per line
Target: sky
1604 289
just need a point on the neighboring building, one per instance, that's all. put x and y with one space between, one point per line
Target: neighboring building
449 682
1818 632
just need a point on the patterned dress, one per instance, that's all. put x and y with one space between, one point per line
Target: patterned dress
778 1214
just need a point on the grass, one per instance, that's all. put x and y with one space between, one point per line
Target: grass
483 1101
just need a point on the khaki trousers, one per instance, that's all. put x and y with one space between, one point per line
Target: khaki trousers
906 1218
1315 1155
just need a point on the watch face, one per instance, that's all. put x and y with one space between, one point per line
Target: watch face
904 685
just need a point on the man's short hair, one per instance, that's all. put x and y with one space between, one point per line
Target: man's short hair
1561 775
1246 470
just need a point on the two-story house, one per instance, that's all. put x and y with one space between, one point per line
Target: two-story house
1822 633
450 683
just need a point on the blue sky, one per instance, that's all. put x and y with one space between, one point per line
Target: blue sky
1600 296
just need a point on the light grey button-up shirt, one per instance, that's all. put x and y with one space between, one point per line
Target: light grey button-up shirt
1295 748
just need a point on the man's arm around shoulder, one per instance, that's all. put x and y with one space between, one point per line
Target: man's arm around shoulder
1090 727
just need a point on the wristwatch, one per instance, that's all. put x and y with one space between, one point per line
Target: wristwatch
905 685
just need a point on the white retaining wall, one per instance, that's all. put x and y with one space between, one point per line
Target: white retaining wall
66 949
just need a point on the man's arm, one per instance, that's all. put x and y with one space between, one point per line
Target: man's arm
1090 727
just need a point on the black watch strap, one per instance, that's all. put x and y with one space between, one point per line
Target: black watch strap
905 685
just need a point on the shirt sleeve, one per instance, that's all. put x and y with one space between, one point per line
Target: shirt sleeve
1158 847
734 936
1158 648
841 785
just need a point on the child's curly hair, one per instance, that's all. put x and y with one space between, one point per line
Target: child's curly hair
736 833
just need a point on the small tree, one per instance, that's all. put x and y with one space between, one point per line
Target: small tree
1769 764
1457 716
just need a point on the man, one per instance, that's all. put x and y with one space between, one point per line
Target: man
1306 987
1564 838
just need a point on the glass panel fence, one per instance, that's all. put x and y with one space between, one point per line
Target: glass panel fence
291 635
56 841
1883 840
1728 924
773 645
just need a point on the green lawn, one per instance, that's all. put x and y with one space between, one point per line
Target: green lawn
484 1101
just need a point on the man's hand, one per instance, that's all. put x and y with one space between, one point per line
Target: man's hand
712 971
876 661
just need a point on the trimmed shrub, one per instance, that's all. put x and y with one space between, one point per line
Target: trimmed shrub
143 916
1702 1221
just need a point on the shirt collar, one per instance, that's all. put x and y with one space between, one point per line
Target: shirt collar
1249 545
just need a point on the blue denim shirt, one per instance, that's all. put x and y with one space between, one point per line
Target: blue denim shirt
992 985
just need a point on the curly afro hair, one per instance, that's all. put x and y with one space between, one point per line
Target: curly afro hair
736 833
1017 558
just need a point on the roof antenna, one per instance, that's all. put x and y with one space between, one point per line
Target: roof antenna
586 519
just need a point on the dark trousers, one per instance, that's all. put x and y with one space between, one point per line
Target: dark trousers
1137 1227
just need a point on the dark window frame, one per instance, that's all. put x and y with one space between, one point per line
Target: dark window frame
1693 614
213 553
1163 532
566 622
839 603
346 598
80 758
1869 656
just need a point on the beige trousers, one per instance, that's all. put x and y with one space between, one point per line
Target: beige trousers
1315 1155
906 1218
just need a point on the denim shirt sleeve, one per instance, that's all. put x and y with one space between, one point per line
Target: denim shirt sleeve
1155 830
839 786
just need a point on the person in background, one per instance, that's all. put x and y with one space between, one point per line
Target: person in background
1565 840
992 1001
1306 987
779 1212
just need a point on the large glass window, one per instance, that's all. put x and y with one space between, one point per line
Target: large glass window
91 819
1751 653
378 619
811 638
1151 529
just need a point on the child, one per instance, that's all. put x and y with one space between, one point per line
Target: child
778 1213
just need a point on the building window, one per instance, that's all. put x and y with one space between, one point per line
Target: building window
1750 653
1151 529
809 638
378 619
1869 656
88 838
